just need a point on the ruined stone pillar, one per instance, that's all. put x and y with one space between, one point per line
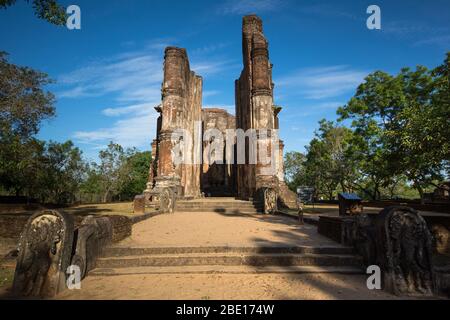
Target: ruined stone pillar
262 102
172 115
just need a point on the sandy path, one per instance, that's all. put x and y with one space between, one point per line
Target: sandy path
227 286
216 229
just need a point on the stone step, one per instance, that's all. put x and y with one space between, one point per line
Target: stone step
231 259
223 270
197 203
221 205
137 251
216 209
250 211
227 207
221 210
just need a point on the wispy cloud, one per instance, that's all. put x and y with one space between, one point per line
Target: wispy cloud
207 68
327 10
443 41
418 34
230 108
321 83
241 7
133 131
132 78
208 49
308 109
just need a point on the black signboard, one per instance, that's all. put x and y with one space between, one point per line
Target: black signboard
305 194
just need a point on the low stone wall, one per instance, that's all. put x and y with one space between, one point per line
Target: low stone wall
433 207
330 227
121 226
11 225
376 238
335 228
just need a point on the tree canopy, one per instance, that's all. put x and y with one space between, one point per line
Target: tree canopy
48 10
399 137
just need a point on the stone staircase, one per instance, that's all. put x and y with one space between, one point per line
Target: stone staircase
226 205
118 260
124 259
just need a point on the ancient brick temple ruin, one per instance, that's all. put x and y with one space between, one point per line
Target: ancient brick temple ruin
181 108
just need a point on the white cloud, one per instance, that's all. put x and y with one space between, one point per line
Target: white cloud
241 7
321 83
207 68
443 41
133 78
210 93
230 108
135 130
208 49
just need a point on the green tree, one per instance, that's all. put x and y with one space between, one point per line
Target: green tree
20 161
62 172
48 10
135 174
112 170
24 104
403 125
91 183
294 169
329 163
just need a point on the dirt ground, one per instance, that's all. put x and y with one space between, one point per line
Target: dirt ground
226 286
218 229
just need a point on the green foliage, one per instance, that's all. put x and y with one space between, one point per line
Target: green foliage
402 124
328 162
138 166
120 175
293 168
398 145
24 104
48 10
62 172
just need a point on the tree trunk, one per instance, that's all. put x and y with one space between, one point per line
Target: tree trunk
421 193
105 197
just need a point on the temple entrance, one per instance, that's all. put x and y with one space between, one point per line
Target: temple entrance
218 180
217 177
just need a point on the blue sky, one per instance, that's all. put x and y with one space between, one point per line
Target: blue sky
108 74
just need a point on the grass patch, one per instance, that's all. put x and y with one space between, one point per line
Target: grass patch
6 276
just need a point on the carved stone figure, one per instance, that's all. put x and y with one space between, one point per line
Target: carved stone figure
45 249
270 201
167 201
404 251
94 234
364 239
441 237
139 204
